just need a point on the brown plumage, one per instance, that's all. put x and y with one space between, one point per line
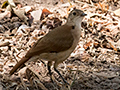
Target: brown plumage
47 45
57 45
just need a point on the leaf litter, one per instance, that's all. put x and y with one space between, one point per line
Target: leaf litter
94 64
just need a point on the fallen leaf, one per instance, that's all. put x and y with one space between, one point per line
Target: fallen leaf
117 12
45 13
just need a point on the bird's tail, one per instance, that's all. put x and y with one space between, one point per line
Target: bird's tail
19 64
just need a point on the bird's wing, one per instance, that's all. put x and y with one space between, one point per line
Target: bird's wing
58 40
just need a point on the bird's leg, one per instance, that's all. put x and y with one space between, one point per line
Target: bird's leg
49 69
55 68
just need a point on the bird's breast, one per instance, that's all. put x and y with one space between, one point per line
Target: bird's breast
61 56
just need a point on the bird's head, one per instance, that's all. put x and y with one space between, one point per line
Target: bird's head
76 16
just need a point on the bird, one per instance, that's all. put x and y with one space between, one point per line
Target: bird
57 45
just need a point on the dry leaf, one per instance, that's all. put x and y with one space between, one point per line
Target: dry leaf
117 12
11 3
104 6
87 45
2 44
5 4
45 13
21 14
5 14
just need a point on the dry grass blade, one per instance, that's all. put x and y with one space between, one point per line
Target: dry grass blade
23 83
40 84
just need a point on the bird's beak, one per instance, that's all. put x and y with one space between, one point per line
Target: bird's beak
83 14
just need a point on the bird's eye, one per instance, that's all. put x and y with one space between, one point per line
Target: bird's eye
74 13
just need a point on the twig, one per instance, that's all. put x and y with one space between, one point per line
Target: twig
2 44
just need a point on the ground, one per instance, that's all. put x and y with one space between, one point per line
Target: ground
94 64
